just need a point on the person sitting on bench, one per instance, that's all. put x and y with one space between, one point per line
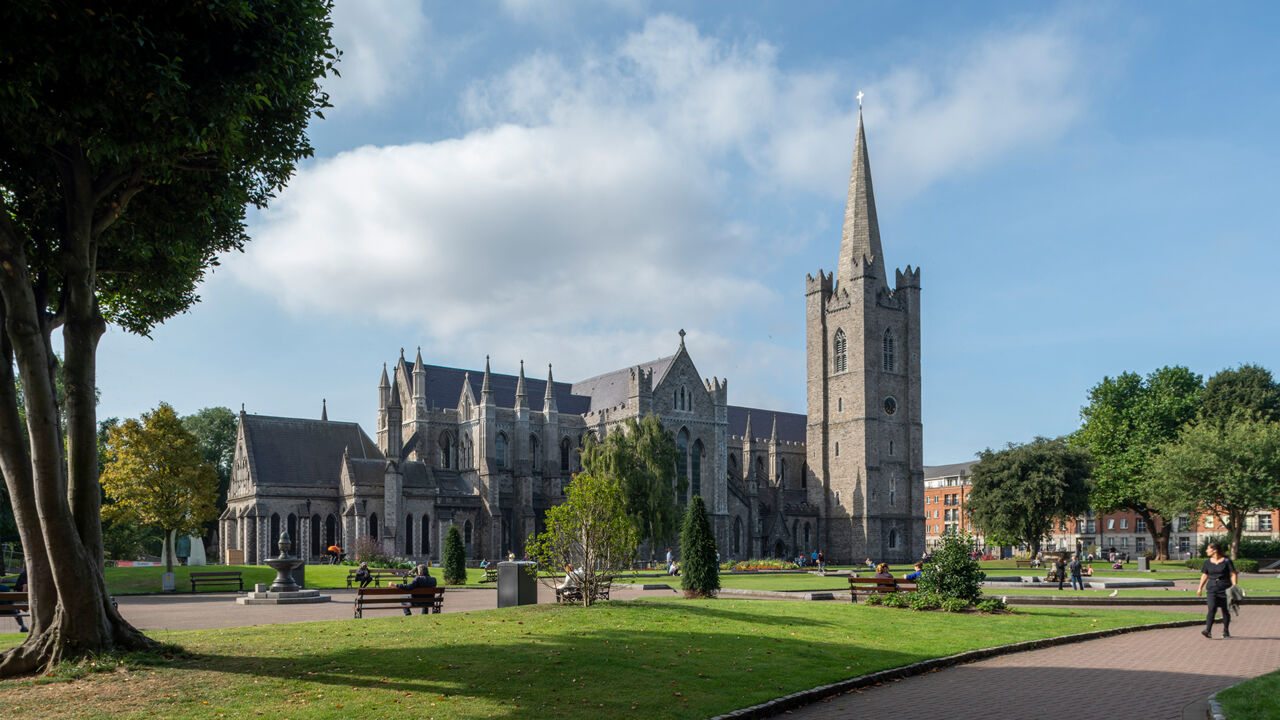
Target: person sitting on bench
421 579
363 576
19 585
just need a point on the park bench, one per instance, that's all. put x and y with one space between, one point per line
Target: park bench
490 575
217 578
390 598
876 586
1024 563
574 594
379 574
14 605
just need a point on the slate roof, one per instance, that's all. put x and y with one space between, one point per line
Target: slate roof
612 388
444 386
302 452
941 471
368 472
792 427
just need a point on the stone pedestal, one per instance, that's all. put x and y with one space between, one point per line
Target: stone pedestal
296 597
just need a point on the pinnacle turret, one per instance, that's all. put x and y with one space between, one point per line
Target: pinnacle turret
861 238
324 410
747 433
486 386
549 400
521 394
773 434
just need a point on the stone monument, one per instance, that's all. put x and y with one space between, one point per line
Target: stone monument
284 589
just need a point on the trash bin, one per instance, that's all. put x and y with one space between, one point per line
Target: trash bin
1143 565
517 584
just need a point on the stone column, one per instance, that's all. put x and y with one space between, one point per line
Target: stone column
250 540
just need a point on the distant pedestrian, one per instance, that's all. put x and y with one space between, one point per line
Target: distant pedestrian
1219 574
670 557
1060 567
822 562
1077 583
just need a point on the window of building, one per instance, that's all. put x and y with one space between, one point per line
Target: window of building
315 536
893 490
889 361
806 537
275 529
330 530
1184 545
533 452
696 477
1183 523
1208 521
1264 522
446 451
893 539
565 445
1140 544
373 525
682 457
500 451
408 535
466 536
890 448
1111 523
837 448
841 346
1250 523
1124 523
839 404
426 535
804 475
1139 525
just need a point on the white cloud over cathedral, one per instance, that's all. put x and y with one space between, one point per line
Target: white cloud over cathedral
585 215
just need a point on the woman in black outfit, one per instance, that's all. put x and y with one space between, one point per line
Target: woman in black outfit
1219 573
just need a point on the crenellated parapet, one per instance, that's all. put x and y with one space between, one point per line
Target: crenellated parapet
821 284
908 278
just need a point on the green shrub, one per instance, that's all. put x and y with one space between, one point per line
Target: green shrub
759 564
1242 565
699 573
1254 548
455 558
894 600
371 551
920 600
991 606
952 605
954 573
875 599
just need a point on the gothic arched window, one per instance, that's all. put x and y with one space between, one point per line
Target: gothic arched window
890 351
533 452
806 537
408 535
737 536
500 451
292 525
330 530
315 536
893 539
275 529
466 535
804 475
565 445
698 452
373 525
446 450
841 347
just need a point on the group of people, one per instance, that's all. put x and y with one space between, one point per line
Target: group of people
813 559
1078 572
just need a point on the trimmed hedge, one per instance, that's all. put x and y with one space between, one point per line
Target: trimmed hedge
1242 565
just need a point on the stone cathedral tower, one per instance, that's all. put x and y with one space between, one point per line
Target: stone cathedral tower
864 435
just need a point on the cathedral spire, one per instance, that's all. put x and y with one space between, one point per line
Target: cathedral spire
420 381
486 387
861 237
520 389
747 432
549 400
773 434
324 410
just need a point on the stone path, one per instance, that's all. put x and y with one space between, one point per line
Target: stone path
1150 674
219 610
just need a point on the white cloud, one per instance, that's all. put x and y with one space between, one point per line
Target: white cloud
380 44
585 216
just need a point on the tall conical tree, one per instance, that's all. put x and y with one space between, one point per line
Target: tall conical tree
455 558
699 571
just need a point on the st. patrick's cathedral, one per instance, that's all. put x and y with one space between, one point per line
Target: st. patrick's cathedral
490 452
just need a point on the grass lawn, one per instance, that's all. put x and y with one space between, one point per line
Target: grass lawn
642 659
133 580
1256 699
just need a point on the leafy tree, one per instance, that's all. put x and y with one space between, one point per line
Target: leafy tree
699 571
1225 470
1248 390
642 455
591 530
1126 421
455 558
215 431
1019 492
953 573
157 477
132 137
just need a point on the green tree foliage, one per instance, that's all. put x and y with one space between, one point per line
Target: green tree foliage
454 558
215 430
952 572
1127 419
699 571
1224 469
1019 492
642 455
132 138
590 530
1248 390
157 477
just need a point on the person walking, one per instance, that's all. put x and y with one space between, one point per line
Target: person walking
1219 574
1060 567
1077 582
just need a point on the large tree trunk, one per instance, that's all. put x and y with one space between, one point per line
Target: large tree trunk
1162 537
1161 549
55 496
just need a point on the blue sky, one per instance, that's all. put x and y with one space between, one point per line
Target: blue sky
1088 189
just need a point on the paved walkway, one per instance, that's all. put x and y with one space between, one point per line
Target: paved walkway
219 610
1150 674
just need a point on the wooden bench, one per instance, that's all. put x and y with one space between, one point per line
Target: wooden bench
574 594
14 605
877 586
390 598
490 575
379 574
217 578
1024 563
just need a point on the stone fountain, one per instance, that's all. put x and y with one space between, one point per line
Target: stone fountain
284 589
